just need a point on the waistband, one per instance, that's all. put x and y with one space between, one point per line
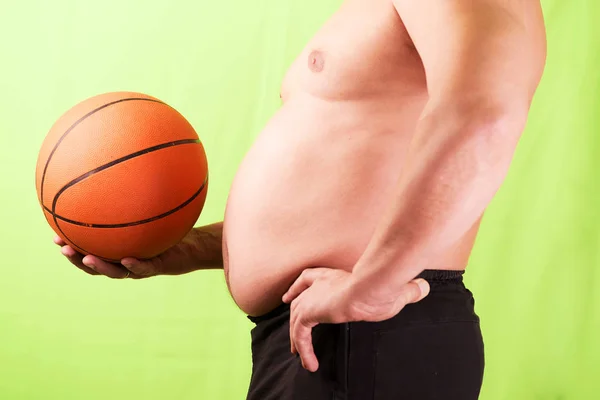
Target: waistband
441 275
430 275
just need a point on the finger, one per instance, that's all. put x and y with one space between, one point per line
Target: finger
303 342
140 268
57 240
304 281
105 268
75 259
297 340
293 318
413 292
292 347
70 253
87 270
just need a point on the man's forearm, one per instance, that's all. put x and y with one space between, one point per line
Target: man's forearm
456 163
204 246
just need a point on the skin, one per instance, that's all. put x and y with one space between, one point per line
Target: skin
379 164
199 250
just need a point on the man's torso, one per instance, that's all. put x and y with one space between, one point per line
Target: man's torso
315 183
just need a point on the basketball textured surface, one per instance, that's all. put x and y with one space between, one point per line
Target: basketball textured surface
122 175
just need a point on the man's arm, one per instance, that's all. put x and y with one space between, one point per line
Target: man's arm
483 61
200 249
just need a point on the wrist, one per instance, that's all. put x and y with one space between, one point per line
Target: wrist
203 247
377 286
199 249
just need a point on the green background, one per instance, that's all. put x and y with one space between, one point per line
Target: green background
65 335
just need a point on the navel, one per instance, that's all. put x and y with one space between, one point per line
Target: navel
316 61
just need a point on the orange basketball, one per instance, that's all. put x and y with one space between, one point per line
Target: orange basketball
122 175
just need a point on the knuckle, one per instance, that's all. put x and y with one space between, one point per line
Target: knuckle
291 292
305 326
142 269
298 328
304 275
135 268
299 338
304 345
294 305
412 294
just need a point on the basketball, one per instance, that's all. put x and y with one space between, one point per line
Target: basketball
122 175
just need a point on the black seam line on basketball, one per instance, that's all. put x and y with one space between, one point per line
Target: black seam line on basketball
128 224
82 250
75 124
118 161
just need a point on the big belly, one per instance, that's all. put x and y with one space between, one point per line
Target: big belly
308 193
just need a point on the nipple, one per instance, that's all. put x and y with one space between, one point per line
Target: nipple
316 61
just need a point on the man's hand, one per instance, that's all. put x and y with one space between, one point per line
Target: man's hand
324 295
200 249
129 267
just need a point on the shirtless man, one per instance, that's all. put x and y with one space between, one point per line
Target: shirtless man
360 201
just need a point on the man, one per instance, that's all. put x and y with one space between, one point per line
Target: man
360 201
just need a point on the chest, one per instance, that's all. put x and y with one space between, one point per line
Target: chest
362 50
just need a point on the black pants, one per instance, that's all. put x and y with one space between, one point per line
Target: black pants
430 350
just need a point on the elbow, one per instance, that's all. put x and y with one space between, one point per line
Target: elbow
491 116
495 131
492 132
503 119
484 132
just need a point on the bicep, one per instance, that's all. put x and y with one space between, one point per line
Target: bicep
476 48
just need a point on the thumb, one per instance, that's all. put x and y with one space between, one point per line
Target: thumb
423 288
414 292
